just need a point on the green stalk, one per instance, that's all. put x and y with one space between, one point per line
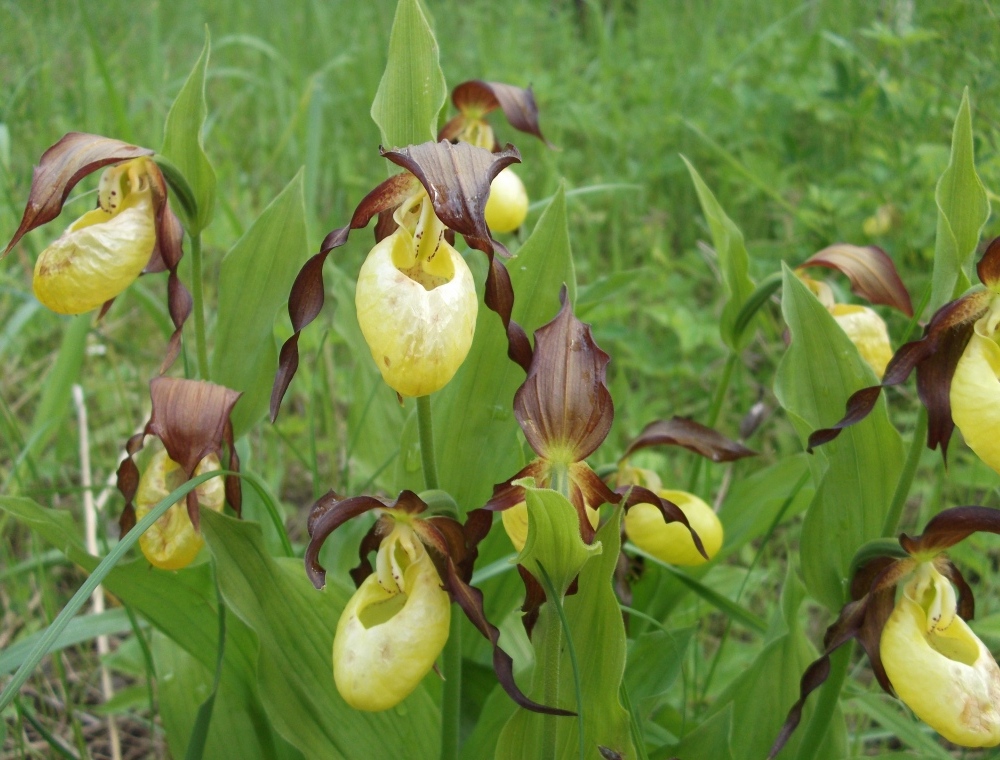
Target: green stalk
451 657
829 696
891 524
199 307
564 623
425 426
714 410
553 650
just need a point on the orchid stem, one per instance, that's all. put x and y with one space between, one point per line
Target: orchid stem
425 426
829 696
714 410
553 651
892 517
451 657
199 307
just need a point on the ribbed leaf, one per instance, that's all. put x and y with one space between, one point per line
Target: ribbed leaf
734 262
182 143
963 208
412 89
856 474
254 281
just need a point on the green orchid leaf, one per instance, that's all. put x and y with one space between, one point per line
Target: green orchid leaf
476 435
963 209
294 624
710 739
598 631
413 89
761 695
856 474
183 144
235 731
734 264
255 278
553 541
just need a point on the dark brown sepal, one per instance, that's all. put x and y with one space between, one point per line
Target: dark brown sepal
988 267
951 526
518 104
457 178
564 406
308 291
671 512
966 599
61 167
506 494
370 543
934 357
680 431
872 274
470 599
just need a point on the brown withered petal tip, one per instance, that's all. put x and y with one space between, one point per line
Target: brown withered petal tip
872 274
61 167
564 405
988 267
681 431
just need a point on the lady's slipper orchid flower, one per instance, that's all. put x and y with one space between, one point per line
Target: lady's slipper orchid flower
191 419
565 410
919 645
957 365
396 624
132 230
414 297
644 524
172 542
873 276
507 206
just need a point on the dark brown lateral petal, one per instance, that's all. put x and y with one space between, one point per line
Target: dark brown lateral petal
499 297
327 514
966 599
308 291
680 431
506 494
951 526
128 482
518 105
872 274
988 267
945 327
863 620
671 512
370 543
564 407
457 178
61 167
470 599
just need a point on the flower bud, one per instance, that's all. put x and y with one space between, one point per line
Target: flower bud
938 666
672 542
418 315
172 542
867 331
103 251
393 628
515 523
975 393
507 206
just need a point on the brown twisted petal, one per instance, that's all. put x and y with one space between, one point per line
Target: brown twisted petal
635 495
949 527
872 274
564 406
934 357
988 267
863 620
329 512
518 105
681 431
61 167
191 419
308 291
